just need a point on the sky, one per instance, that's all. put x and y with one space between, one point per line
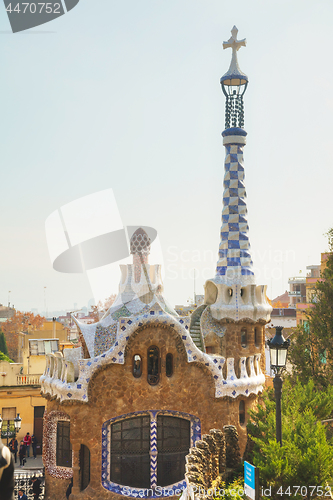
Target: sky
126 96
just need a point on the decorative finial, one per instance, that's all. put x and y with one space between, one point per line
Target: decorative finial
234 83
235 45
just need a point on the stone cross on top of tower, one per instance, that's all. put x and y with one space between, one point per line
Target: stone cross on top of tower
234 75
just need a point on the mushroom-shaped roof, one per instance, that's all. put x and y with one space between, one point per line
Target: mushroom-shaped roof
140 242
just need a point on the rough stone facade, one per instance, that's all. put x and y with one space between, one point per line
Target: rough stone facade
114 391
230 345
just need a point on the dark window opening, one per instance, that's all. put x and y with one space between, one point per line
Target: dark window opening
243 337
137 366
242 412
130 446
256 336
84 467
169 365
230 292
153 362
173 443
64 447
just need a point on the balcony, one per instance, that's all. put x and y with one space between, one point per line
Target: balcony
294 293
296 280
28 379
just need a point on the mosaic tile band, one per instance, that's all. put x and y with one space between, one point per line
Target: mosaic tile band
62 388
234 250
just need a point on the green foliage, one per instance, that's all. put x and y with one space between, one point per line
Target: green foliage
306 455
3 357
311 350
329 235
232 491
3 343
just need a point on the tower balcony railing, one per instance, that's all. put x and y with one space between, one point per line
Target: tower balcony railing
58 379
294 292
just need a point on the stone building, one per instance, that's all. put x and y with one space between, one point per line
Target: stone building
123 411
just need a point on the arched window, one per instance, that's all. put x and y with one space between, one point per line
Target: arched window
169 365
84 467
64 447
243 337
136 449
257 336
242 412
153 365
137 365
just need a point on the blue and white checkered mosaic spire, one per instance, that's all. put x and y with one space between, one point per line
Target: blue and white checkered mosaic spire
235 262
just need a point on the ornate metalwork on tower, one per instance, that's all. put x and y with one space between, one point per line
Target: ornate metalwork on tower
234 83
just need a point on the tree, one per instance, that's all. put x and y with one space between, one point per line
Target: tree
311 350
98 311
306 455
3 343
3 357
23 322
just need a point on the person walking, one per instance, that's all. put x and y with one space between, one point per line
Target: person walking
69 489
6 473
36 487
34 444
13 446
27 442
22 452
22 496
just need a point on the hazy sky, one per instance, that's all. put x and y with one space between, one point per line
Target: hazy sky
126 95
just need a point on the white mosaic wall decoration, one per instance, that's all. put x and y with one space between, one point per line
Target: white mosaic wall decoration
54 385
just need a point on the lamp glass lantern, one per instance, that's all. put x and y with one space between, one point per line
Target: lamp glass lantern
17 422
278 350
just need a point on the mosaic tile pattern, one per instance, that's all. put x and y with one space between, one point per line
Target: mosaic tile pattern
53 385
209 325
105 337
234 250
134 298
137 492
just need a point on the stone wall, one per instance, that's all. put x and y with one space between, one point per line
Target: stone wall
231 346
113 391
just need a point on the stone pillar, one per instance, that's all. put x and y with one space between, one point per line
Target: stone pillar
233 457
76 470
220 449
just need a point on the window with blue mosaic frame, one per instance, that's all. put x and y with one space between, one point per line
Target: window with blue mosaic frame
148 449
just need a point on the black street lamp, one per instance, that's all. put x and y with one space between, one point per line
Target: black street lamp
17 426
278 349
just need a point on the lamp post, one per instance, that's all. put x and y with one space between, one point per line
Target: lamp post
278 349
17 425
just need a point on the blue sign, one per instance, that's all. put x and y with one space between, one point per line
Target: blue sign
249 480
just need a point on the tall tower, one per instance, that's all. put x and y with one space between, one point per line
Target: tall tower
232 324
